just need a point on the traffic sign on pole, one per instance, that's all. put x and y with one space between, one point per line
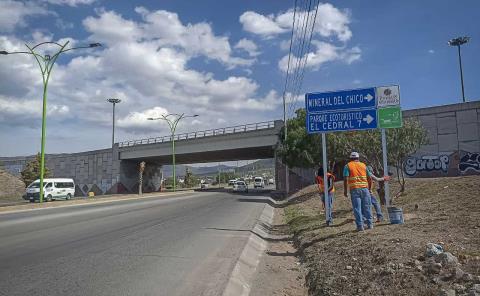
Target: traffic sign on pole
390 117
340 100
342 120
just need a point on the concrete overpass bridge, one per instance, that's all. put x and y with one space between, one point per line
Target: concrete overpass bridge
116 170
243 142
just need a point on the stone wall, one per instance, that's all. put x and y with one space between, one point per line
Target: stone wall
99 171
454 141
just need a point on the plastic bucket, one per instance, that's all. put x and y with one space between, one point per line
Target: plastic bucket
395 215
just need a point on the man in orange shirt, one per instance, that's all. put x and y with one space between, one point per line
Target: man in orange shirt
356 177
331 191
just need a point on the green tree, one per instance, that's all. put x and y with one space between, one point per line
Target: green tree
190 179
304 150
31 172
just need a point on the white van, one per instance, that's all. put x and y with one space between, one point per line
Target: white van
53 188
258 182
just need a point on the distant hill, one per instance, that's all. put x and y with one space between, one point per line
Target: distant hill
262 164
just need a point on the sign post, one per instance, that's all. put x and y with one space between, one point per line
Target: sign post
356 109
325 176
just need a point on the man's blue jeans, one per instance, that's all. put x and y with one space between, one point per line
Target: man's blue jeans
328 214
362 207
378 207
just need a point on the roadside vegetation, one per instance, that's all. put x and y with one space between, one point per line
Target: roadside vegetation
390 259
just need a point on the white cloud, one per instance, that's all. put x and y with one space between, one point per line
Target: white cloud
261 25
24 112
147 69
325 52
249 46
70 2
14 13
139 120
431 51
330 21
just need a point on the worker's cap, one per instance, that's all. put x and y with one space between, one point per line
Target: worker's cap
354 155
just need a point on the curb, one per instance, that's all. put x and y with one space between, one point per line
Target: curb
240 280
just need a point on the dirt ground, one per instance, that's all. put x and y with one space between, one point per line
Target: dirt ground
389 259
279 271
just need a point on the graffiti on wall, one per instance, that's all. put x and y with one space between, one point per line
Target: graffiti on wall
429 163
469 161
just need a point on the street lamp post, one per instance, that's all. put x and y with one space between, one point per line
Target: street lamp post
46 63
172 123
458 42
113 101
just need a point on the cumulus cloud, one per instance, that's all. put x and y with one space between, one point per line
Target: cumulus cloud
325 52
330 22
25 112
248 46
15 13
70 2
139 119
146 64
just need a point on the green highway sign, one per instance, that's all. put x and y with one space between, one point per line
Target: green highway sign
390 117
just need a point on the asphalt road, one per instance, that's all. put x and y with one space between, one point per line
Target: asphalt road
187 245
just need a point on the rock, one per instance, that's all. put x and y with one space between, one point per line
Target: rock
466 277
432 267
458 273
459 288
343 277
446 259
389 270
419 268
476 288
433 249
417 262
448 292
400 265
477 279
349 267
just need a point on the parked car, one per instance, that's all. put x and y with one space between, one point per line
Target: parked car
204 186
53 188
240 186
271 181
258 182
232 182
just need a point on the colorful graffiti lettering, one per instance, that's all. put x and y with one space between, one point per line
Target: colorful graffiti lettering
470 161
413 165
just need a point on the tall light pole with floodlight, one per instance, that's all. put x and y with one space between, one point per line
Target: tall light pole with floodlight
172 123
113 101
458 42
46 63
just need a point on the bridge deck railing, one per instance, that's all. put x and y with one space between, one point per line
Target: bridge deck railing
202 134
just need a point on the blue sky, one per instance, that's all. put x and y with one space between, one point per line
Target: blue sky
221 60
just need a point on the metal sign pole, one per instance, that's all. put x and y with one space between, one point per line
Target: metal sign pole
385 167
325 178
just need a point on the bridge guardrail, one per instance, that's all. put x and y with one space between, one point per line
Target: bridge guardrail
202 134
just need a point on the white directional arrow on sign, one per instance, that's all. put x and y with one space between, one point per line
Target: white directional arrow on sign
368 119
369 97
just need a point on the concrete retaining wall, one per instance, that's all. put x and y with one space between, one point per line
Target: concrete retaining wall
454 141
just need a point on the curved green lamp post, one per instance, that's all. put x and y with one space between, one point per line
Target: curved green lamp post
172 123
46 63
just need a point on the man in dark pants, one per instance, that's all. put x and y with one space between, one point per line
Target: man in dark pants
331 192
356 176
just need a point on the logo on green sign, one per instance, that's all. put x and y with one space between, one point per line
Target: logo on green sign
390 117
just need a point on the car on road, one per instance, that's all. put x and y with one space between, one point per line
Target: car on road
271 181
240 186
53 188
232 182
258 182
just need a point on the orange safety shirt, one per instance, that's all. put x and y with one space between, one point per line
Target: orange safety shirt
357 175
320 182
